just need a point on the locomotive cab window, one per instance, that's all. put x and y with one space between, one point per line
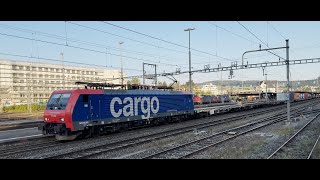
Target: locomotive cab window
58 101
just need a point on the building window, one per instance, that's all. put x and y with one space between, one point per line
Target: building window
34 68
21 81
20 67
34 81
46 69
52 76
40 75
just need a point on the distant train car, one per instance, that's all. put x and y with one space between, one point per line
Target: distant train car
215 99
197 99
307 96
297 96
206 99
219 99
71 113
282 97
226 98
250 98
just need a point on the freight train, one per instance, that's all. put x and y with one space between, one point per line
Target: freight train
88 112
296 96
207 99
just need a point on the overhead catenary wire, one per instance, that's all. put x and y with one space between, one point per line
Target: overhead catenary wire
276 30
58 60
77 47
87 43
217 26
102 31
168 41
260 40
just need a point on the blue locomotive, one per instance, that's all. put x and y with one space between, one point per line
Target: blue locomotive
88 112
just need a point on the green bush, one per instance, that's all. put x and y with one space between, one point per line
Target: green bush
24 108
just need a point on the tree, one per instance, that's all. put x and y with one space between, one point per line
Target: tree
192 84
176 85
134 81
306 88
162 83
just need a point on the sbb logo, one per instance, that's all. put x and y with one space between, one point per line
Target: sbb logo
131 107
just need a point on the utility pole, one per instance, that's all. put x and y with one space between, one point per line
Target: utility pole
221 83
63 75
189 29
106 62
121 63
266 75
143 74
288 82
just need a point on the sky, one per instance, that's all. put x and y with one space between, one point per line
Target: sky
97 43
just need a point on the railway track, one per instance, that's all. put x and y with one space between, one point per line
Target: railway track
289 147
41 145
189 149
311 153
27 148
116 146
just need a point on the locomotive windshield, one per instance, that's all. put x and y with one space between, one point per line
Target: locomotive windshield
58 101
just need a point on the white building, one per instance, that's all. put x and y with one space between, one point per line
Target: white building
24 82
213 89
271 86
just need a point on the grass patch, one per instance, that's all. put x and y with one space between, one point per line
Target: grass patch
24 108
283 131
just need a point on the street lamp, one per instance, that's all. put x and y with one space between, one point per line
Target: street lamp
121 63
189 29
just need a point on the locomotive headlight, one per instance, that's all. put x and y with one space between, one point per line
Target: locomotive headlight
62 119
46 119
